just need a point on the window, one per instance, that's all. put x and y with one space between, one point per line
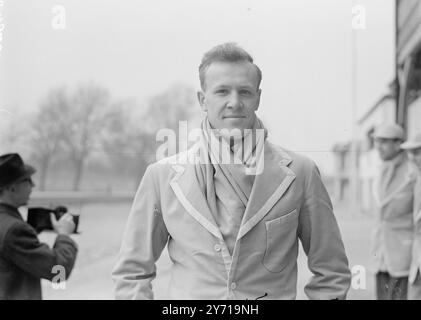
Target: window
414 78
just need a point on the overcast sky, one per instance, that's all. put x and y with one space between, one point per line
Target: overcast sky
139 48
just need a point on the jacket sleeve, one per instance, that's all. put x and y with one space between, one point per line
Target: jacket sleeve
321 240
22 247
144 238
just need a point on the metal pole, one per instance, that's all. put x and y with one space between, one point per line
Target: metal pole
354 140
397 82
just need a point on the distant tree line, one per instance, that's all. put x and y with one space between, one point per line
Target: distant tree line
69 126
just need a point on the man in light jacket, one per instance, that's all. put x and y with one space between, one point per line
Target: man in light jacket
393 232
413 147
232 208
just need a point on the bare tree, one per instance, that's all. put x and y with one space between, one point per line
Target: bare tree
13 132
127 144
166 109
133 138
47 130
85 122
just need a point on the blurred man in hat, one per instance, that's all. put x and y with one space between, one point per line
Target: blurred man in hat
23 259
413 147
393 192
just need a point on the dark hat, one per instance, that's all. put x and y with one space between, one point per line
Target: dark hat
12 169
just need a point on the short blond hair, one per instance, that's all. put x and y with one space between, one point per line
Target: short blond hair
226 52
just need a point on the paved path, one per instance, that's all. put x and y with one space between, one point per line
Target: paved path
102 227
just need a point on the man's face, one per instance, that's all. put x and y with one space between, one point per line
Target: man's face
21 191
415 157
231 95
387 148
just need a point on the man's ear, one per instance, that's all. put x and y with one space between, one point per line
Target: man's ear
201 98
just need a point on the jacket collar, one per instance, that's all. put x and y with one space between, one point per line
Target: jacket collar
268 188
396 161
10 210
385 177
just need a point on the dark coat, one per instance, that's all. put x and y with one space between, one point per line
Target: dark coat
24 261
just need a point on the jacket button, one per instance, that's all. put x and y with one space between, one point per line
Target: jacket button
233 286
217 247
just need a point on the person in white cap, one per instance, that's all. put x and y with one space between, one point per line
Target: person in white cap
393 192
413 147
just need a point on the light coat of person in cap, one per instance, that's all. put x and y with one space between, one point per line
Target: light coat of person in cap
413 147
24 260
393 231
232 229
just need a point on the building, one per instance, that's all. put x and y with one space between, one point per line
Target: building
408 64
402 104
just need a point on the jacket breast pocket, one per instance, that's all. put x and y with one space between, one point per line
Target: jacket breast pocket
281 239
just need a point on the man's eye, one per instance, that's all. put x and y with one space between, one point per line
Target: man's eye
245 92
221 91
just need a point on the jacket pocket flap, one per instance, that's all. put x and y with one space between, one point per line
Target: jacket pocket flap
291 216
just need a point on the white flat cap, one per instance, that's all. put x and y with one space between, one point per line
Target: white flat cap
389 131
413 143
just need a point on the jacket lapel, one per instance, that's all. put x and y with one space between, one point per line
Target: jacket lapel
392 195
417 200
268 187
385 195
8 209
188 191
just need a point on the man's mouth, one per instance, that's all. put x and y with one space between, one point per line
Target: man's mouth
233 117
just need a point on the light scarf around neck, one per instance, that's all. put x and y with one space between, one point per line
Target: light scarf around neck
234 167
236 147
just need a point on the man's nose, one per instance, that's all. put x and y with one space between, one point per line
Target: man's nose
234 100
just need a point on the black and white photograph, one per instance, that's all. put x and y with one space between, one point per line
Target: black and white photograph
237 150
